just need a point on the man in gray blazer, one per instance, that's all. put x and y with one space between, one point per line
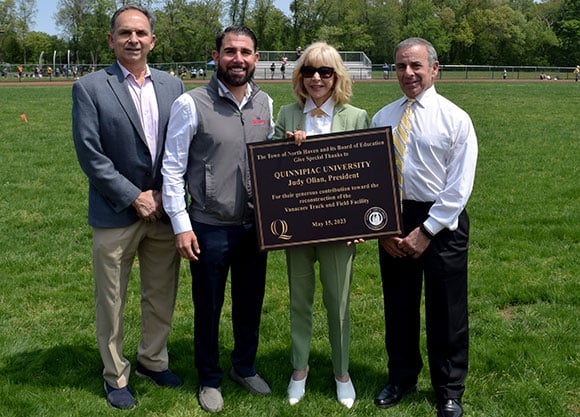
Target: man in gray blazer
120 117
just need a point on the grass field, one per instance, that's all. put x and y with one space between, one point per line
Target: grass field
524 273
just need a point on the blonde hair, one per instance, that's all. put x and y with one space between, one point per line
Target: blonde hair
322 54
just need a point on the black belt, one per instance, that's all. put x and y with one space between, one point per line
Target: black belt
425 205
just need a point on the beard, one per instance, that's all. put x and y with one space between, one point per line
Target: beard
234 80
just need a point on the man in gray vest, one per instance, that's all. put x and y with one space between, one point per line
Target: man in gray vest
205 153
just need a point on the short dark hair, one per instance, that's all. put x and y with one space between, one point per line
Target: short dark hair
238 30
150 16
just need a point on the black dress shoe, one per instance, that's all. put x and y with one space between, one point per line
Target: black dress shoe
393 394
450 408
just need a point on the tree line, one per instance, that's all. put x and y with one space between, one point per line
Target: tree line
490 32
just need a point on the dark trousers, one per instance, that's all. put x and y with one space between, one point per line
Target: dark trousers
443 267
224 248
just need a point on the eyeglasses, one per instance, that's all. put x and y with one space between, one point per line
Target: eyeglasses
324 72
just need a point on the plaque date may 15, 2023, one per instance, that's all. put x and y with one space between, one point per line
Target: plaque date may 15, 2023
330 222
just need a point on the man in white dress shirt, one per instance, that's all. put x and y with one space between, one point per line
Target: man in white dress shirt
438 173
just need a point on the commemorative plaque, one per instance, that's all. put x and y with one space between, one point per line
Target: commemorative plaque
335 187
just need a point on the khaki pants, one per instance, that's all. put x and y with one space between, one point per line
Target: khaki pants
114 251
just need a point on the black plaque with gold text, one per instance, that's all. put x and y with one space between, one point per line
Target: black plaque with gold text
335 187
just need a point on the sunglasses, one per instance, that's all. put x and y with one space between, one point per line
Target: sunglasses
324 72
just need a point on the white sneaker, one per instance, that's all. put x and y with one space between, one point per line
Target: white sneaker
296 390
345 392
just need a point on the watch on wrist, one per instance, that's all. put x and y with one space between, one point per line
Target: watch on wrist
426 232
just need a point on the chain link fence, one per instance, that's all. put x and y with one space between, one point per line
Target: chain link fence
359 66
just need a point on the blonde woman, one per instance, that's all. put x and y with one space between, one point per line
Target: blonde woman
322 87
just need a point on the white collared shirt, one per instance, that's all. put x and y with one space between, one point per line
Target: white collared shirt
145 102
316 125
440 156
231 96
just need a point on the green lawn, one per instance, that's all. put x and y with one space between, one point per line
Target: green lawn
524 273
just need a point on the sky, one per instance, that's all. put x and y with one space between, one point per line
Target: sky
46 9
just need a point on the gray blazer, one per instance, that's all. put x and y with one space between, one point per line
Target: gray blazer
111 145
